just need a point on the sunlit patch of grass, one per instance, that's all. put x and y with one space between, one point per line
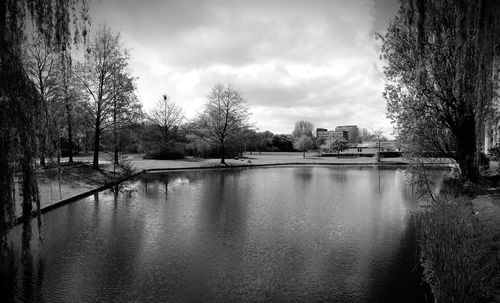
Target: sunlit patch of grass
460 254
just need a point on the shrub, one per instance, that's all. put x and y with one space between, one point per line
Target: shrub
126 166
203 150
169 151
453 187
134 148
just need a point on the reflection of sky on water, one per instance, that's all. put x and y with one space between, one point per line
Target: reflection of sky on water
310 233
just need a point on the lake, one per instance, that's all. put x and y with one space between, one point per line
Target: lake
283 234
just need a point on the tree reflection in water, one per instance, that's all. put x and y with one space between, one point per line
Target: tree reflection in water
27 261
7 269
21 278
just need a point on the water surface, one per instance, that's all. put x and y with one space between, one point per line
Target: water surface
288 234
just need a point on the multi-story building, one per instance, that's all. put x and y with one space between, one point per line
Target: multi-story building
322 133
340 134
352 132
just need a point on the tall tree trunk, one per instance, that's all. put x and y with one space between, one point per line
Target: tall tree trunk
95 163
42 138
42 150
379 147
59 169
6 177
70 130
115 145
304 154
87 141
466 149
222 154
70 140
46 133
116 154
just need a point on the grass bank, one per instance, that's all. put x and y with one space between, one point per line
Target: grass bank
459 245
77 180
70 181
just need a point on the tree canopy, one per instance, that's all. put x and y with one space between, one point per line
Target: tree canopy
61 23
335 145
224 121
303 144
166 116
106 80
439 56
303 128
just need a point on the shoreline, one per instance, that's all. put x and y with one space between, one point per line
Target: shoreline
485 206
81 187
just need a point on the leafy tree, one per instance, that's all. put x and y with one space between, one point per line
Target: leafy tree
260 141
320 141
303 128
439 56
303 144
130 136
253 141
335 145
224 121
166 116
105 79
282 143
20 102
265 140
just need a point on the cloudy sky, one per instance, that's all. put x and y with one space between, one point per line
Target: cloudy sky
292 59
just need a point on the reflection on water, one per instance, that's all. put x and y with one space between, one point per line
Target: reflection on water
21 274
303 234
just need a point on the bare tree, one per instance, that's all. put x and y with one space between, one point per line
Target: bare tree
166 116
105 60
126 108
69 95
224 120
41 62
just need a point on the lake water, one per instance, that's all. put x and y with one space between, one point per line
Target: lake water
287 234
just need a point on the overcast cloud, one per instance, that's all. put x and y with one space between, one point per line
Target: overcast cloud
292 60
